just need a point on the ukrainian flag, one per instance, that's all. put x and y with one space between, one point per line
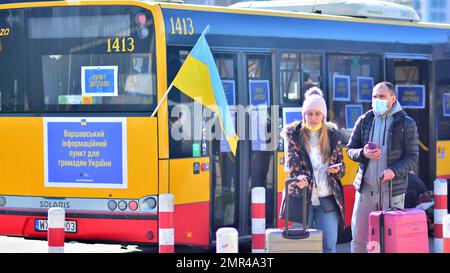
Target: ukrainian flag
199 79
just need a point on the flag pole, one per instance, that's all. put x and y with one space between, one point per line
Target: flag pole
162 99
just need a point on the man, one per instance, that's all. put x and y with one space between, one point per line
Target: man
394 154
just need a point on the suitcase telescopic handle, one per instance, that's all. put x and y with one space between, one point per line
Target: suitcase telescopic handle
381 221
380 205
304 232
286 204
305 205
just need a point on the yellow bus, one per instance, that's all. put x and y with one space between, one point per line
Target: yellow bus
80 80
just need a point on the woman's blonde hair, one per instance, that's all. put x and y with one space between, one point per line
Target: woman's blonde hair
324 140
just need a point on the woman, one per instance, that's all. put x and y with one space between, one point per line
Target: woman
314 145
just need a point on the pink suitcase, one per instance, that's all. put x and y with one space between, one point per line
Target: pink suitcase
398 230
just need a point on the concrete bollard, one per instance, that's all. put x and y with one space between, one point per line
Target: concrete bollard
166 224
446 233
55 233
440 210
258 220
227 240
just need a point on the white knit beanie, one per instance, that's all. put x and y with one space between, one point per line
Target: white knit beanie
316 102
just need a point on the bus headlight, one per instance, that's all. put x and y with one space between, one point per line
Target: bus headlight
150 202
2 201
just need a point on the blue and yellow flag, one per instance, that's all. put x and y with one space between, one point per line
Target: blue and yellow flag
199 79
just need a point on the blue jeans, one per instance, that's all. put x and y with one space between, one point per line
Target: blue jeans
328 223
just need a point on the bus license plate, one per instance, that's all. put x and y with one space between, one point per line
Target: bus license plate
42 225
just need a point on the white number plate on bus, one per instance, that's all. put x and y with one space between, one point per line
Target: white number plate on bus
42 225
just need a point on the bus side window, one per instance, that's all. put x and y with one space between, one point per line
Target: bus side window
186 121
298 72
351 79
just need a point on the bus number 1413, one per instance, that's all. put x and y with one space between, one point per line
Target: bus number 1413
183 26
121 45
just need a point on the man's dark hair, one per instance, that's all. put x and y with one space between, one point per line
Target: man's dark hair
388 85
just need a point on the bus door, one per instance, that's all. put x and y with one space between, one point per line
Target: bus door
350 81
442 119
247 81
263 124
297 71
224 166
411 76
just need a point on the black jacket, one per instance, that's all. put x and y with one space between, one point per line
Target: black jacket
403 149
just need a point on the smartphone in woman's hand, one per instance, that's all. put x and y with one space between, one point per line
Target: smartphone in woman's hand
372 145
334 165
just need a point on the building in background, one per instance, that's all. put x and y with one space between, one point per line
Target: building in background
436 11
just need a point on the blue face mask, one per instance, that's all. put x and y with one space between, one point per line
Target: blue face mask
380 106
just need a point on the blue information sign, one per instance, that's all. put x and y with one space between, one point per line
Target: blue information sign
446 104
99 81
230 91
259 93
411 96
85 152
260 103
341 88
365 86
290 114
352 113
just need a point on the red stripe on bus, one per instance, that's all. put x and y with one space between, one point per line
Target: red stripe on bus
349 200
110 230
280 222
192 224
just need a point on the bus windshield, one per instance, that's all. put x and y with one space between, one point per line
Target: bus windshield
77 59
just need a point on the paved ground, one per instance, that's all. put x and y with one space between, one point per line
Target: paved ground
343 248
20 245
